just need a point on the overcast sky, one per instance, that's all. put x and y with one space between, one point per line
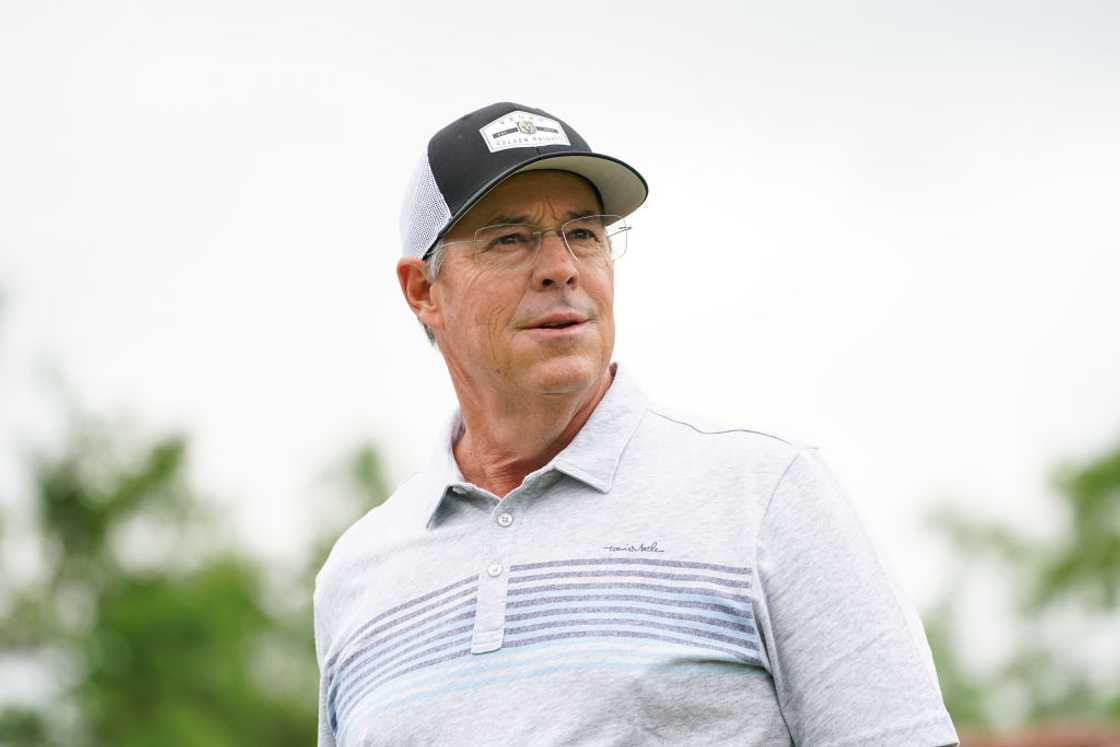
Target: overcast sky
887 229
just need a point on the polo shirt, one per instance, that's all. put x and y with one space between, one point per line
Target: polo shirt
658 582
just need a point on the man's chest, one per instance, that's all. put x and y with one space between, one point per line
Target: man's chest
562 616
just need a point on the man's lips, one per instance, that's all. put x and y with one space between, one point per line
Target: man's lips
558 320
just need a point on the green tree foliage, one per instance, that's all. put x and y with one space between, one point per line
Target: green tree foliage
1073 577
149 628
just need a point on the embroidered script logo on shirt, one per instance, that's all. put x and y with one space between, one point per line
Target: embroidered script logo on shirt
651 547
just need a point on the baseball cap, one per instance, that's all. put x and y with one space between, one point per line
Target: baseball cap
473 154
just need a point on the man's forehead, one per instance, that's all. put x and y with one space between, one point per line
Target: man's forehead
534 185
532 191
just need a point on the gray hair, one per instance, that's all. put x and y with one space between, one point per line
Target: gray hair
432 266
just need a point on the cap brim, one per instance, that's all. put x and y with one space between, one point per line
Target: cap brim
620 186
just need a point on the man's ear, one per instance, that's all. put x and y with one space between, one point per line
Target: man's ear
417 289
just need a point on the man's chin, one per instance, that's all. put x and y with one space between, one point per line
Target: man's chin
563 375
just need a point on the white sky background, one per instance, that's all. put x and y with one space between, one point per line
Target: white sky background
889 229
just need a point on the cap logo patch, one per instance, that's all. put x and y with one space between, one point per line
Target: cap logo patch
522 130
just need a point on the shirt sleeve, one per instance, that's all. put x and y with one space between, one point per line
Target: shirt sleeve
849 657
326 733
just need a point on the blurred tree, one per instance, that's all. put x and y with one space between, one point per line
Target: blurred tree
1068 585
147 626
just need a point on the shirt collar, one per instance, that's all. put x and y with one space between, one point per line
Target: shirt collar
592 456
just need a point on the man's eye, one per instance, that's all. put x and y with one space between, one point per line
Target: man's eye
508 241
582 234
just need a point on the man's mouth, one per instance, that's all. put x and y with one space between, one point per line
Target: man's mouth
558 325
559 320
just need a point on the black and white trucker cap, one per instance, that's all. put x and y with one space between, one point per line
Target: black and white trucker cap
473 154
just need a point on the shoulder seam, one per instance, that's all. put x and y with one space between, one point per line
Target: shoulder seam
722 430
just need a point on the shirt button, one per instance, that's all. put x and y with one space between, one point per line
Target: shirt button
505 518
495 569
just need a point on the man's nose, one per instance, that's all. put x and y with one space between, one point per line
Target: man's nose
554 263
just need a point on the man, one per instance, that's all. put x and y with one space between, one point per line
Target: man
574 566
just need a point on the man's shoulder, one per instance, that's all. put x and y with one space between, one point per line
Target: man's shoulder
388 517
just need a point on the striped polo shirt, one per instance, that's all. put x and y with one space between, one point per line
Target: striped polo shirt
657 582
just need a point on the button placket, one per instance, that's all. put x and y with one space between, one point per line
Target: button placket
493 579
490 612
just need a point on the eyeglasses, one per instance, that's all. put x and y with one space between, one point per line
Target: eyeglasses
512 245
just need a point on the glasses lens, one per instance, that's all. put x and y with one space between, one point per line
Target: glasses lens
602 236
504 243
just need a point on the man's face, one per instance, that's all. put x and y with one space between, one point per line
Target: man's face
490 321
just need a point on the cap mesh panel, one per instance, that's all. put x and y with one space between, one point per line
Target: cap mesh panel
424 212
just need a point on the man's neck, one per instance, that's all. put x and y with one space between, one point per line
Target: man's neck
497 452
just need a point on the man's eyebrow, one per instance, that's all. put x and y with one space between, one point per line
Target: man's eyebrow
581 213
503 219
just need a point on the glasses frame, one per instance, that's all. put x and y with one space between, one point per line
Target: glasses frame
539 234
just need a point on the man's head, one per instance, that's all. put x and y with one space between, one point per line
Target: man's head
541 321
527 308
